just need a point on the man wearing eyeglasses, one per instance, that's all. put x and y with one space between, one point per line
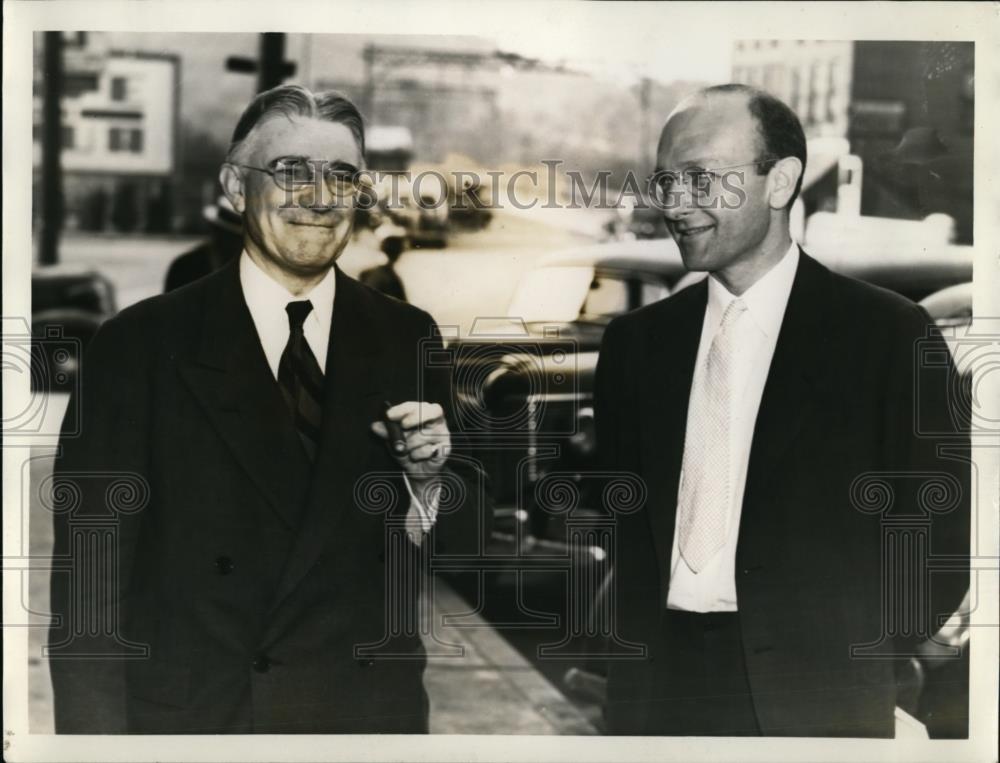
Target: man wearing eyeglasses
761 407
267 580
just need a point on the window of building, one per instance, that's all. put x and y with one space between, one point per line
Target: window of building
119 88
831 91
774 79
125 139
78 83
68 137
812 109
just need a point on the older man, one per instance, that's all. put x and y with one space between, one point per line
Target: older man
756 405
255 585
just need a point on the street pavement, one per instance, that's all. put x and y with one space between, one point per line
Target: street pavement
492 688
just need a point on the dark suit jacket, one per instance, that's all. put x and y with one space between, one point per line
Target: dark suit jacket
841 400
250 576
384 279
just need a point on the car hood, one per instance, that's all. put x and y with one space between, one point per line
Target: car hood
546 336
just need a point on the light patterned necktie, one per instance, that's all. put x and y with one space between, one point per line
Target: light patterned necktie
706 492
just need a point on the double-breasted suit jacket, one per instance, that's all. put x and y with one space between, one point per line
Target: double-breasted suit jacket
244 585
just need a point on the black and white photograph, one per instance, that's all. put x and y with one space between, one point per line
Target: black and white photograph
501 381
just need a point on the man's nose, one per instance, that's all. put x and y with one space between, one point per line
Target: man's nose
314 195
679 203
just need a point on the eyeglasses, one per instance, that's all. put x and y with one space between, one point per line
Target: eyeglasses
701 182
288 174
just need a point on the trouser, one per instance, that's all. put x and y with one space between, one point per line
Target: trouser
700 685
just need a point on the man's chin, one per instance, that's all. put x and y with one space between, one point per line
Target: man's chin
695 259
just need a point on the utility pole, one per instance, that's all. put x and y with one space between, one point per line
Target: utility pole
271 67
52 192
368 105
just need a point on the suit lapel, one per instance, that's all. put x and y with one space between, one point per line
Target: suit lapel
356 380
793 383
233 382
672 351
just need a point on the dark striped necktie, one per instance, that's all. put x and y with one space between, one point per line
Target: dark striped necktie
301 379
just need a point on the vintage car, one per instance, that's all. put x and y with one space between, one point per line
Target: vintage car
951 306
523 384
68 304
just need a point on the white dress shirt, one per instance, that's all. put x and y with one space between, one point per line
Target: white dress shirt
713 589
267 299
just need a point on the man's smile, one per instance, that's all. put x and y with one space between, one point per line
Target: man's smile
314 223
691 232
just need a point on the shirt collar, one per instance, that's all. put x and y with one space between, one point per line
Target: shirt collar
765 300
263 294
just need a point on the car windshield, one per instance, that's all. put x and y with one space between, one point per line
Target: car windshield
567 293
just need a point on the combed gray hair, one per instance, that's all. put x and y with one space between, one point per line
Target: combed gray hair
295 100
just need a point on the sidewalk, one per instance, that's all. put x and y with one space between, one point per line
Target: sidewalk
492 688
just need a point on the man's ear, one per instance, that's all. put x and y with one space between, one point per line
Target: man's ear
784 176
231 181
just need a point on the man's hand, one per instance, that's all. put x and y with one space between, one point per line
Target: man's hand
426 441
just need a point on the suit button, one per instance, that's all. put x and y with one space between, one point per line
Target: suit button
261 663
224 565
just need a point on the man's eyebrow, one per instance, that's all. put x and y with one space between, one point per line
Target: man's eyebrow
698 163
335 164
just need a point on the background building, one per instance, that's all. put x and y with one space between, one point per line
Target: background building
905 108
119 136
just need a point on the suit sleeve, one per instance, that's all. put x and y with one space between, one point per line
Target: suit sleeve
99 498
928 439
